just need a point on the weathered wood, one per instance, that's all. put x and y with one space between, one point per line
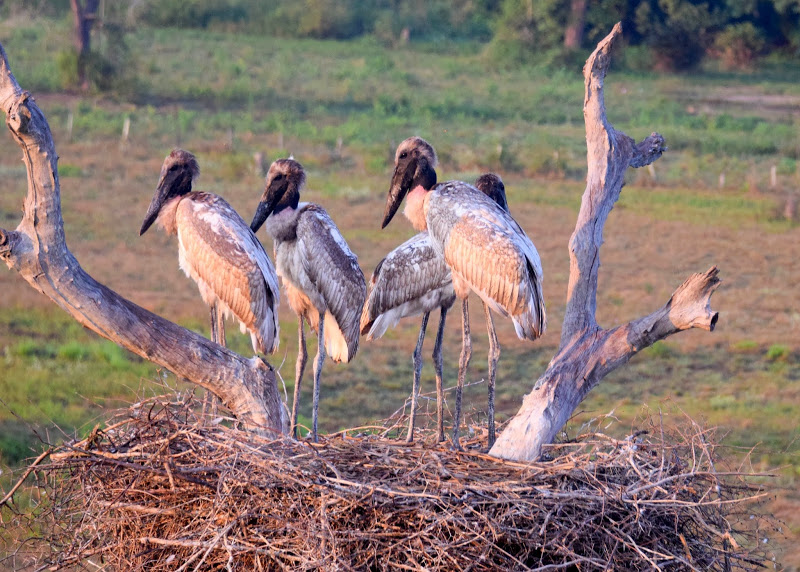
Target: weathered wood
37 250
588 353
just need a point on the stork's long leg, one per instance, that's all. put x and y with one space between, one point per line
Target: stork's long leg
494 355
218 337
220 327
417 373
214 323
437 364
300 366
318 361
463 362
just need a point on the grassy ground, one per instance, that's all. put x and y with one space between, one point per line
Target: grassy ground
341 108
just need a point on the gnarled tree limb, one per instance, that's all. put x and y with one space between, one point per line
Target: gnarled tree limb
37 249
588 353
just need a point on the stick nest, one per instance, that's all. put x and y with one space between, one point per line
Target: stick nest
161 489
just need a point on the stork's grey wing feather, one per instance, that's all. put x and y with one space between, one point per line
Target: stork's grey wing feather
334 269
411 280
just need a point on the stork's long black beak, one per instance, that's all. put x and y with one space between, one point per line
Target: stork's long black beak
401 184
155 206
263 210
276 188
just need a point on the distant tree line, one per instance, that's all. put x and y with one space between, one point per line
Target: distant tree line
667 34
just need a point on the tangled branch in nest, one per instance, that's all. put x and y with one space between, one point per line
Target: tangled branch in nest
161 490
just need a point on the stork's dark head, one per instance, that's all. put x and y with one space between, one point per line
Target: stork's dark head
414 165
285 180
492 186
179 169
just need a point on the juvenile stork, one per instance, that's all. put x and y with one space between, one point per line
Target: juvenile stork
324 284
219 252
414 279
486 250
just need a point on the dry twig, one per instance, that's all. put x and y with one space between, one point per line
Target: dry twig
163 489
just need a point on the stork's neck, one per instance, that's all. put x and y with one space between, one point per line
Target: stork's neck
416 207
166 215
289 200
282 225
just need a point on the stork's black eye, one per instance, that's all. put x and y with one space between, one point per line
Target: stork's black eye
173 168
403 155
279 177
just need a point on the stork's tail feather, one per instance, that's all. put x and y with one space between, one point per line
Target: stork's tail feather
366 320
375 323
267 339
531 324
377 327
336 345
526 328
365 328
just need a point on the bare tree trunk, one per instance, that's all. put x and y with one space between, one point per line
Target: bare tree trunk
588 353
38 251
573 34
83 16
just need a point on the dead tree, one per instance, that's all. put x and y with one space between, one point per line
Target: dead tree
38 251
587 352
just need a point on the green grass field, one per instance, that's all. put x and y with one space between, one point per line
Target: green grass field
341 108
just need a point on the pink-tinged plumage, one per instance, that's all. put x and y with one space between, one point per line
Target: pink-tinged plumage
489 254
415 279
486 250
217 249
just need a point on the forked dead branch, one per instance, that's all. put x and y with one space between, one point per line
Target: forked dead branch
587 352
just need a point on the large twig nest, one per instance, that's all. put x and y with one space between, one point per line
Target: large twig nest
162 490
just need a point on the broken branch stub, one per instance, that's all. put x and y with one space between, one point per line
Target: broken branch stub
37 250
588 353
